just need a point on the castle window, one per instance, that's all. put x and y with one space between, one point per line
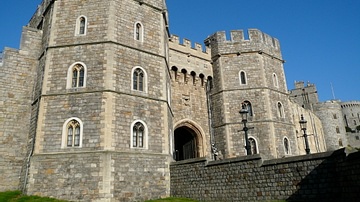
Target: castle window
357 137
280 110
202 78
286 146
248 108
193 75
138 32
242 77
72 133
340 143
139 79
138 135
253 144
175 69
184 74
76 76
275 80
334 116
81 26
337 130
354 122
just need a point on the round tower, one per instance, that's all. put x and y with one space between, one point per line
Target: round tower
333 123
249 71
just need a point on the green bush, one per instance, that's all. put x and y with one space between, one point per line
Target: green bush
16 196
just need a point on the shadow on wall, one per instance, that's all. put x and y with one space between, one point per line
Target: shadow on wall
329 176
320 183
336 179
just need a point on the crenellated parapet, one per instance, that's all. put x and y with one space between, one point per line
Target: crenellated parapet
258 42
350 104
186 46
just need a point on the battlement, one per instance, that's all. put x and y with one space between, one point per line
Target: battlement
301 84
187 45
350 104
255 36
257 41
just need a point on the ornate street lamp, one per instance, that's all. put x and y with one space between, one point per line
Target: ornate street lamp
244 112
303 128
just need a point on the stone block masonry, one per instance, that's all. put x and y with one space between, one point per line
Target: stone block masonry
317 177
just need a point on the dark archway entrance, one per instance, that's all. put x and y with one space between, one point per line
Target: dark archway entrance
185 143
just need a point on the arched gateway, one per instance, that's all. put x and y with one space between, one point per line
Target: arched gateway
188 141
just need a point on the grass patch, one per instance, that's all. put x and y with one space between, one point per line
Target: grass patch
173 200
16 196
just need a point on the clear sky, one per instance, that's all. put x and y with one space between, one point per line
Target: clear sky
320 39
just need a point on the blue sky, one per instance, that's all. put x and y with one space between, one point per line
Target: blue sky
320 39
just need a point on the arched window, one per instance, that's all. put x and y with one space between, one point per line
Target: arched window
253 144
286 146
193 75
275 80
242 77
138 135
340 143
202 78
138 31
249 108
72 133
81 26
76 76
280 110
139 79
175 69
184 75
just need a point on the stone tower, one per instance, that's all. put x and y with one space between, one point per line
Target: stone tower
101 118
250 71
333 124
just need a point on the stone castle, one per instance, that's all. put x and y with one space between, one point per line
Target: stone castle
101 98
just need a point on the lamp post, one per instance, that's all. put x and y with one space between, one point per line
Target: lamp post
303 128
244 113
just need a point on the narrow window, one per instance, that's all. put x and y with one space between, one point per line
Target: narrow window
193 75
275 80
82 25
334 116
280 110
337 130
138 135
253 145
202 78
175 69
340 143
138 31
73 133
242 78
249 108
286 146
184 74
77 76
138 79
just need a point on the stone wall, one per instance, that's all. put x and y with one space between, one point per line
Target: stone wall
17 77
99 176
330 176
